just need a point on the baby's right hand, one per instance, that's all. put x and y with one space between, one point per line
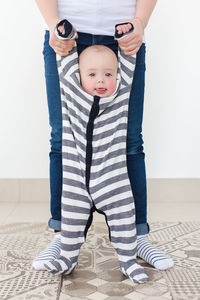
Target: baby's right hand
61 47
123 28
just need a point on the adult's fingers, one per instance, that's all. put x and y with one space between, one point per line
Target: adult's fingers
62 47
64 44
61 52
132 52
131 47
131 39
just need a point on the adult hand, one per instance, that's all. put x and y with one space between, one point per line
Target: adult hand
61 47
131 43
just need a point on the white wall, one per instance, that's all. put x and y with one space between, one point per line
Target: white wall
172 103
172 106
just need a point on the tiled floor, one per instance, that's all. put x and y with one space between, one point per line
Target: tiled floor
23 233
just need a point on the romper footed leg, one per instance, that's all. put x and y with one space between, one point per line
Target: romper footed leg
152 255
123 238
120 216
74 226
50 253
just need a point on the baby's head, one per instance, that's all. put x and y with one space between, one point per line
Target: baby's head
98 67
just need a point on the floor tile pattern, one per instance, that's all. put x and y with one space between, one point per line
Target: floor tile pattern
97 276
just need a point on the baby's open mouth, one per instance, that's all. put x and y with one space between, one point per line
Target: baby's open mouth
101 90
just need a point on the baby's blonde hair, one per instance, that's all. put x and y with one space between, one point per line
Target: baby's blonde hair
98 49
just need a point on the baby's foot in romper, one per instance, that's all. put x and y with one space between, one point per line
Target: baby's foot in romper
50 253
62 265
134 271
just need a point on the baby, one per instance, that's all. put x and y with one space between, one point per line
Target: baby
95 176
98 66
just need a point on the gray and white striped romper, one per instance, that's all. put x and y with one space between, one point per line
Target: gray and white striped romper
95 175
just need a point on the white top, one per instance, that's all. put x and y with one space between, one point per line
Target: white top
96 16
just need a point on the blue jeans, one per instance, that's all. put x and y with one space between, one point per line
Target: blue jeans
135 154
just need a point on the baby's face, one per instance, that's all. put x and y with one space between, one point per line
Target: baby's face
98 71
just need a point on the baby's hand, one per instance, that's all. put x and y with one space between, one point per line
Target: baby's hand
61 47
123 28
130 44
61 28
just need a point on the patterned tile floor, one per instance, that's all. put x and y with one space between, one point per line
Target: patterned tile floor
97 276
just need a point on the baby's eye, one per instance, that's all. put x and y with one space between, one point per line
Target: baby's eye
108 74
92 74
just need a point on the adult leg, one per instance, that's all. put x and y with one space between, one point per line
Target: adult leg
55 155
135 154
55 121
136 167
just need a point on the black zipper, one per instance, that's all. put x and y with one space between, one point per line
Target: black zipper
89 137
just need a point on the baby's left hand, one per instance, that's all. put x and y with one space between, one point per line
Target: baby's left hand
131 43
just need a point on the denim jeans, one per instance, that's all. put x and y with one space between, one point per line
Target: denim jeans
135 154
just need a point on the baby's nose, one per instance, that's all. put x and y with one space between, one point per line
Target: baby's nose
100 79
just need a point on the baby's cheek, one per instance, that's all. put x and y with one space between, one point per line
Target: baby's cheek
87 86
112 86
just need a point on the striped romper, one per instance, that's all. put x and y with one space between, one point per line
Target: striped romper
95 175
